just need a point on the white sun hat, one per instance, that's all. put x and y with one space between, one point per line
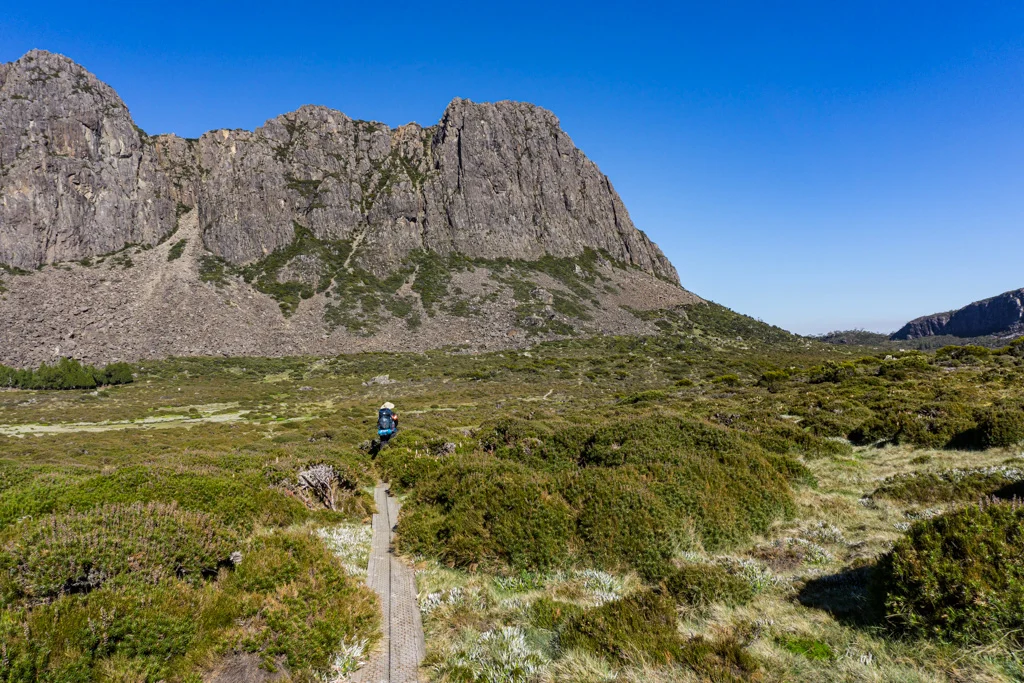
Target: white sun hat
389 405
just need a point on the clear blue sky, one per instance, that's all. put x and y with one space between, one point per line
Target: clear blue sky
819 165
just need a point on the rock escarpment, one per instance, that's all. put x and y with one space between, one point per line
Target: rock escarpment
314 234
1001 315
78 179
76 176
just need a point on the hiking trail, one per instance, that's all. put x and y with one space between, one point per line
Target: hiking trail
402 647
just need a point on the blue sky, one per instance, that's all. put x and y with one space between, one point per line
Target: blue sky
819 165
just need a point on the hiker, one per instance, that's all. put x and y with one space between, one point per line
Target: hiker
387 422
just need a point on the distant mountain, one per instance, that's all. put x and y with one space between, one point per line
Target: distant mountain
1001 316
315 233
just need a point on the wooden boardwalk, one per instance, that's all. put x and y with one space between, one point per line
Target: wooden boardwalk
402 647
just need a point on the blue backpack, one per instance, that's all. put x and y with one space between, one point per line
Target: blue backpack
385 422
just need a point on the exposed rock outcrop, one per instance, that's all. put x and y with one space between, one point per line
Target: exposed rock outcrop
314 234
78 179
1001 315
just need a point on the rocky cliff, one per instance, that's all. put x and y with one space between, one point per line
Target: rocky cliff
312 234
79 179
1001 315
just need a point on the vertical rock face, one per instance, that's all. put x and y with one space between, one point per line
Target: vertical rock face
1000 315
505 177
78 179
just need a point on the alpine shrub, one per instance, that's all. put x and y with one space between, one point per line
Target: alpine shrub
620 523
82 551
489 511
701 585
1001 428
722 660
949 485
958 576
641 626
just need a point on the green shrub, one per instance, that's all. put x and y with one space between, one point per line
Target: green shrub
773 380
722 660
494 512
316 605
240 500
68 373
620 523
701 585
552 614
118 373
1016 348
958 576
831 372
135 633
948 486
83 551
934 425
638 627
1000 429
970 354
650 396
288 600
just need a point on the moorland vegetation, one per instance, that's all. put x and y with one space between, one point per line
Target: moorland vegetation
722 501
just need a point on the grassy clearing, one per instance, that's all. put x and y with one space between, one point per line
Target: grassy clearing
586 510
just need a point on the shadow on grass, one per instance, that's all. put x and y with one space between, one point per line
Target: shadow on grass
846 595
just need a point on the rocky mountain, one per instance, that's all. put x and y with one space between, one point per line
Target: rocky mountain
1001 315
314 233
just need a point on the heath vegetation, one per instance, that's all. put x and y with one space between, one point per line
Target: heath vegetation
721 501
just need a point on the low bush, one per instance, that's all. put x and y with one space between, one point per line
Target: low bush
1000 428
722 660
552 614
315 605
289 600
773 380
176 250
831 372
478 510
132 633
639 627
620 523
934 425
237 499
949 485
701 585
957 577
624 496
79 552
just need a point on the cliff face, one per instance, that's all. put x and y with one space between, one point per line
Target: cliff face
1000 315
502 180
76 178
314 234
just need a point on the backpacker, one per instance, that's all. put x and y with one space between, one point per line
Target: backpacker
385 422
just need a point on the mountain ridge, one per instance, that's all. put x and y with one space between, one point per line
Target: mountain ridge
489 180
312 234
1001 315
